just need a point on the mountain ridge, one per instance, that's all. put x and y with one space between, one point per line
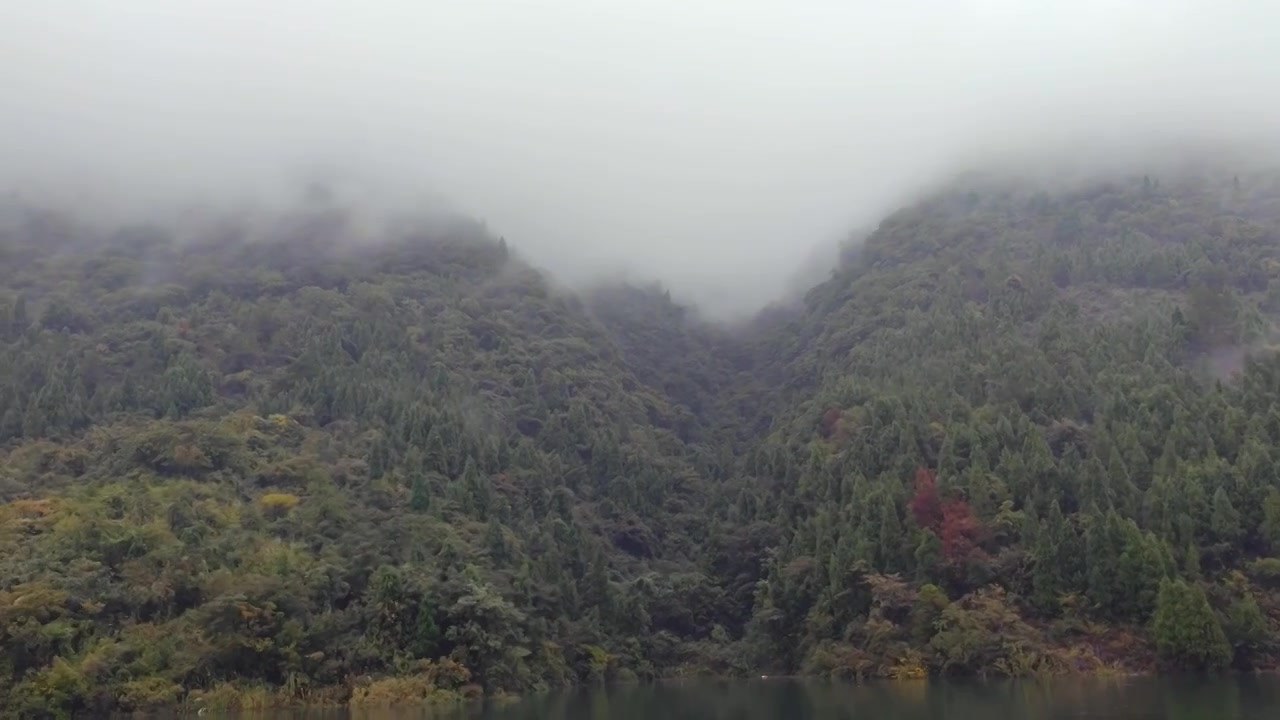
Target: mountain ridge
242 471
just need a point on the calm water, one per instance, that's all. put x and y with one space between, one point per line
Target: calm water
1142 699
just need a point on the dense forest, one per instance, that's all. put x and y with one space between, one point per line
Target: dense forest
1023 428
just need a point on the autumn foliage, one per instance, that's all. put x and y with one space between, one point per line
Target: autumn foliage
830 423
959 532
926 507
952 522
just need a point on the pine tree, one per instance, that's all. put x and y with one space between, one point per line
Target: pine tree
496 540
1191 562
184 387
1097 489
1103 550
1247 630
1187 633
1224 520
437 455
426 635
1141 569
892 538
1046 583
928 556
1256 477
1270 528
596 591
379 458
420 494
476 487
1127 497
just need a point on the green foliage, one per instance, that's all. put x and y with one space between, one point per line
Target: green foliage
981 634
426 634
1270 529
1247 630
279 470
420 494
1187 633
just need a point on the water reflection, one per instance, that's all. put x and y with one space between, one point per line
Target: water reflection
1245 698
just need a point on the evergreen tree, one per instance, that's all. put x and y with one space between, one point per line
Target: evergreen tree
928 556
1270 528
420 494
1224 521
1186 632
1046 583
1191 562
1142 567
426 634
892 538
1247 630
287 462
1103 546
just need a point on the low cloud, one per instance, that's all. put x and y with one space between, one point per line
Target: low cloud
712 145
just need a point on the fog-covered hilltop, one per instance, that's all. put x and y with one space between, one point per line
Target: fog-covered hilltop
1022 428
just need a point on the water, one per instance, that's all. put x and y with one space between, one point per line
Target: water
1129 699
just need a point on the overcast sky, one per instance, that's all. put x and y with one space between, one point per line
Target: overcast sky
711 144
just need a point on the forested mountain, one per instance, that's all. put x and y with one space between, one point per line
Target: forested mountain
1021 429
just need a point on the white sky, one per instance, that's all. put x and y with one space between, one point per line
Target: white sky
711 144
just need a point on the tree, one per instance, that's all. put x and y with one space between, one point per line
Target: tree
1247 630
426 635
891 536
423 465
388 602
487 633
959 532
1186 632
928 556
420 493
1270 529
1139 573
1047 582
184 387
926 507
1191 562
1224 521
1103 546
981 633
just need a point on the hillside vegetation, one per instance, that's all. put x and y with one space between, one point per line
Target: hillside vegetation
1017 431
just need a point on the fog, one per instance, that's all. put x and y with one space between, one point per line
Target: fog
715 145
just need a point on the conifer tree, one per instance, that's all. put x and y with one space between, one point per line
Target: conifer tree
1187 633
892 538
420 494
426 634
1224 520
1103 549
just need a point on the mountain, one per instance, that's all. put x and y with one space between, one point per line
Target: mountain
1026 426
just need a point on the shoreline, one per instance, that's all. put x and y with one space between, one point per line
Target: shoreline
441 698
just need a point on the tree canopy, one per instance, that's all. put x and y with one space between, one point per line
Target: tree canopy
1019 430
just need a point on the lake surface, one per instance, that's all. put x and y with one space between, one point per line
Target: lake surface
1128 699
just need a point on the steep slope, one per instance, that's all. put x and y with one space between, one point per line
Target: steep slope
1008 399
295 463
1020 429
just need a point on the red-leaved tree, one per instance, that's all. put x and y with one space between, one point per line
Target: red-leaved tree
926 507
830 421
959 532
953 522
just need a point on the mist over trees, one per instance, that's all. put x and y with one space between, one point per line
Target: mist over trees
334 368
274 467
716 165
